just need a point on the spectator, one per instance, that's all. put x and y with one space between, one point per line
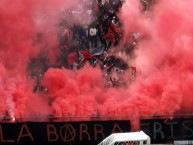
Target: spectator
93 36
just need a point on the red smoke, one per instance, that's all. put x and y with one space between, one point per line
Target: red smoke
21 23
164 59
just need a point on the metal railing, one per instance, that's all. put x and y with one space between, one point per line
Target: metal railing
93 118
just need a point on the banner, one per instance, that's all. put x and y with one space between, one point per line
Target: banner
91 132
72 133
167 131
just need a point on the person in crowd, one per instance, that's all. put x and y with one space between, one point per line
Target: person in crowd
93 35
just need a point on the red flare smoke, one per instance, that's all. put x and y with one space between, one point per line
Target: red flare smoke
164 59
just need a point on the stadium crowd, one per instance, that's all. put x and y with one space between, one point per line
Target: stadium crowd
104 32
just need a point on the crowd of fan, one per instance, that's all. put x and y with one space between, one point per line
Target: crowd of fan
90 36
105 30
105 27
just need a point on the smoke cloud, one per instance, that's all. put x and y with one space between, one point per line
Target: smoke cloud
27 29
163 57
